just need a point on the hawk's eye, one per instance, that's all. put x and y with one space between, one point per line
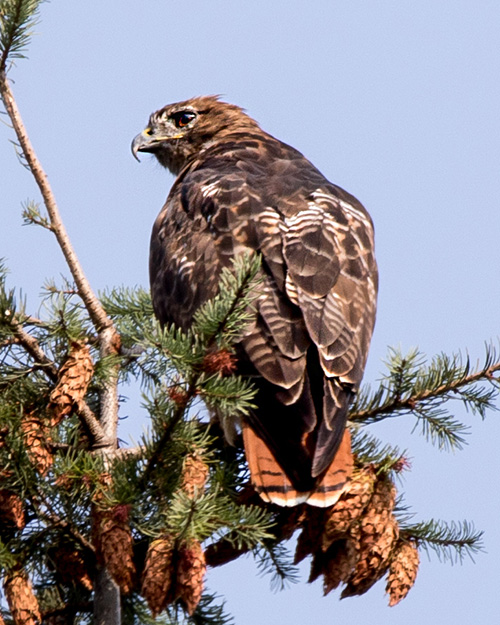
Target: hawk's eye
183 118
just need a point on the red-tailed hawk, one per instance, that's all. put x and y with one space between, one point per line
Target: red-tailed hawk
239 189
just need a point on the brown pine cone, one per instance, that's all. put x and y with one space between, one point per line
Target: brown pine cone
114 544
22 602
194 475
309 540
71 565
191 569
12 509
378 533
36 434
340 561
349 507
402 571
74 377
158 574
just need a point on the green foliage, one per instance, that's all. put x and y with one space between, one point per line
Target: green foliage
451 542
222 319
208 612
17 20
426 391
370 451
274 559
171 366
32 215
55 481
58 503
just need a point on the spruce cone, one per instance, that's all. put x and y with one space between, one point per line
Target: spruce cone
11 510
157 576
402 571
74 377
22 602
310 538
190 573
318 564
288 520
194 475
114 544
71 566
378 533
348 508
339 565
36 435
222 361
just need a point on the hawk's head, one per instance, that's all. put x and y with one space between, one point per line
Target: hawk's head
177 132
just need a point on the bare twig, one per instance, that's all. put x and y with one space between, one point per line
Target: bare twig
109 344
108 336
33 348
97 313
107 595
44 510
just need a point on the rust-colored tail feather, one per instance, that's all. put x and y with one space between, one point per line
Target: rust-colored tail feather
337 476
273 485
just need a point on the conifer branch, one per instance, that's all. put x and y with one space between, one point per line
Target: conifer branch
451 542
227 549
56 521
17 18
370 451
413 388
96 311
32 347
176 417
226 315
275 560
220 319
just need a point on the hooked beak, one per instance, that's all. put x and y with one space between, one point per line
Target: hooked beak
148 141
143 142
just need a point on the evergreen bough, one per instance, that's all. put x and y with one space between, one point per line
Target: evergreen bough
74 505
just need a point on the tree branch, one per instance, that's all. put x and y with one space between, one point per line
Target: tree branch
287 520
108 337
18 19
33 348
97 313
395 403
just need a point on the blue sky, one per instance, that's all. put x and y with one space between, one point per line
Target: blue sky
396 101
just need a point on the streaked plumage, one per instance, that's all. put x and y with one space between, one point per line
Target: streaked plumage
240 189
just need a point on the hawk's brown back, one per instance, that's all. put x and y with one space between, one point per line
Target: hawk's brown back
308 345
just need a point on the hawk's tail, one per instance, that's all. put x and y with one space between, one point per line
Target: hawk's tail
273 485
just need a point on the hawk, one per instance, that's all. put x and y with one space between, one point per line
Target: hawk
240 190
